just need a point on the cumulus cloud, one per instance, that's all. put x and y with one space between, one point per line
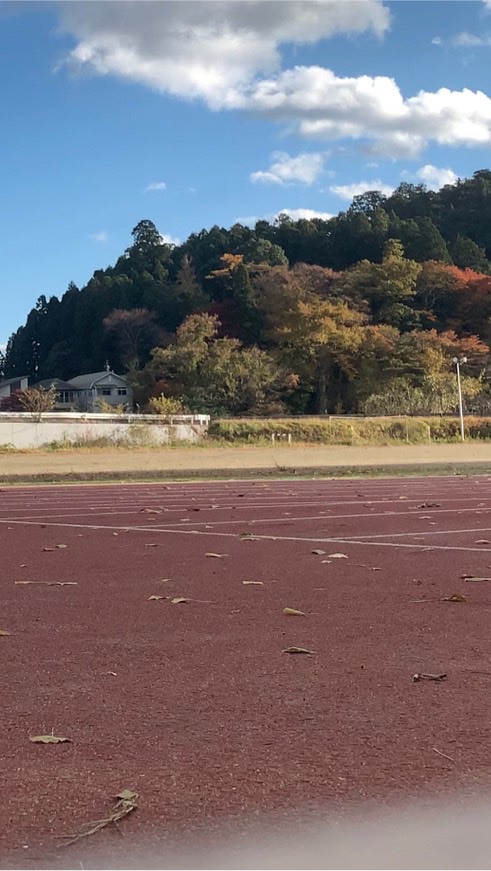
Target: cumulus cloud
435 177
294 214
305 168
303 214
326 107
101 236
348 191
155 186
227 54
206 48
167 239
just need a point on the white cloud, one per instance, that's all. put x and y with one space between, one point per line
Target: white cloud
294 214
167 239
206 49
470 40
249 220
305 168
302 214
155 186
348 191
101 236
324 106
464 40
435 177
228 55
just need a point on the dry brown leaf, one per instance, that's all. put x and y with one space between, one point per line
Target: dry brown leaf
156 598
292 612
337 555
248 536
298 650
253 583
318 552
422 676
455 597
216 555
127 795
48 739
470 579
149 511
482 541
179 600
48 549
61 546
4 632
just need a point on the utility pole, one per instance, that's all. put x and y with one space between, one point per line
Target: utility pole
458 363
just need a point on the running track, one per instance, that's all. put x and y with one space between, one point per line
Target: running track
194 705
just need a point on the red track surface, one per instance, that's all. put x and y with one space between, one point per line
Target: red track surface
205 717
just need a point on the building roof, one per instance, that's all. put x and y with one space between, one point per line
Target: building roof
55 382
7 381
92 379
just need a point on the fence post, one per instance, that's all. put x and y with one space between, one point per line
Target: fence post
272 438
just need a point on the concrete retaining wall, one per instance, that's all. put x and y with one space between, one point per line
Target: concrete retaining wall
26 430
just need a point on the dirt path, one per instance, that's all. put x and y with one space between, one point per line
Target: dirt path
229 460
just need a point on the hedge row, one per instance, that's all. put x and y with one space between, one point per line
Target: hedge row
352 431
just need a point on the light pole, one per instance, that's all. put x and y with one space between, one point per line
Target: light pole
458 363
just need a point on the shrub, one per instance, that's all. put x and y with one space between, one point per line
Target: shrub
165 405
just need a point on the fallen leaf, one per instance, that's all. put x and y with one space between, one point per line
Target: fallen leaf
423 676
179 600
216 555
4 632
292 612
127 795
337 555
248 536
298 650
156 598
48 739
153 544
113 673
149 511
318 552
48 549
469 579
164 580
482 541
455 597
61 546
253 583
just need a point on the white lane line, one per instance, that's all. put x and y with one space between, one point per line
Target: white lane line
347 541
149 529
328 517
430 532
54 506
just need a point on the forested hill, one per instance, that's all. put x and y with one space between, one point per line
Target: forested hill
308 315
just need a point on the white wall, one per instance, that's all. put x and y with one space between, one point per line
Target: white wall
25 430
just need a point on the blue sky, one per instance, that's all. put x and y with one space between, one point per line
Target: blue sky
194 113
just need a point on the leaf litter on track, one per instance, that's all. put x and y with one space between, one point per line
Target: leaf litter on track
298 650
126 803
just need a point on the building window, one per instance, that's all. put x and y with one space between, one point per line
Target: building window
121 391
106 391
